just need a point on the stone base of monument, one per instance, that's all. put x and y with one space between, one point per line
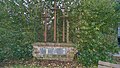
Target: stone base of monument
117 57
54 51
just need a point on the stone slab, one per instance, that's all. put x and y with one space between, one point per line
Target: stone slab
53 51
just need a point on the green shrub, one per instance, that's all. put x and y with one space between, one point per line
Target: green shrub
15 47
93 26
16 32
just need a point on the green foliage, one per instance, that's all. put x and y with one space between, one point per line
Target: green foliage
93 25
94 30
17 31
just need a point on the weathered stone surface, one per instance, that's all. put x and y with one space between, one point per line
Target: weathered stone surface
117 57
102 64
53 51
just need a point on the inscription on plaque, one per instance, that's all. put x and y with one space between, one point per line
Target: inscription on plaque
53 51
42 50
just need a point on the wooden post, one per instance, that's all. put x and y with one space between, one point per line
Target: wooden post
54 20
68 26
63 28
45 35
63 24
57 32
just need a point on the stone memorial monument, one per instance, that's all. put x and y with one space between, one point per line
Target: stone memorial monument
58 49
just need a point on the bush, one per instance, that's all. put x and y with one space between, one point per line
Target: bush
17 30
94 30
13 46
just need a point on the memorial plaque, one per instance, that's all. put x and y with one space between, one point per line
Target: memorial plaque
61 51
43 51
53 51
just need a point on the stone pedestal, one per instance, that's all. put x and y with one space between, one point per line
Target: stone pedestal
54 51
